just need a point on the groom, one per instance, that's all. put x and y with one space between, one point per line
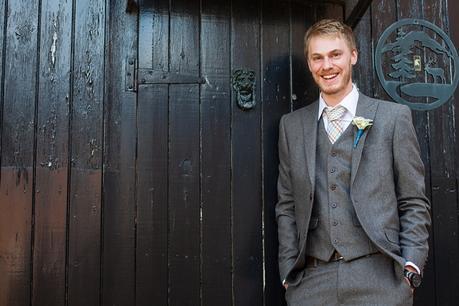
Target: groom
352 214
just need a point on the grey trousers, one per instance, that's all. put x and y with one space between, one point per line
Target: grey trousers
369 280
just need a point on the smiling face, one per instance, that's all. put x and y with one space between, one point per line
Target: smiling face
330 60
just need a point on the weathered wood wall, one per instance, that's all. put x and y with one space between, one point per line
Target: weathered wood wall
166 196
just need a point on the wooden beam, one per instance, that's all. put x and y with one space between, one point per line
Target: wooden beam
131 6
357 12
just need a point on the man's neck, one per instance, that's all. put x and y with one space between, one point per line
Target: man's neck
334 99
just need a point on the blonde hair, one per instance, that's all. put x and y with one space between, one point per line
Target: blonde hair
329 27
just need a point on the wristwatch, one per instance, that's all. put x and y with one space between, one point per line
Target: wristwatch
413 278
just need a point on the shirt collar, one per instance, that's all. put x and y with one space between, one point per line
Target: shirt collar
349 102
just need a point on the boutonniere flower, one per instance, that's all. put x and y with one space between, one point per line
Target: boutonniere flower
361 124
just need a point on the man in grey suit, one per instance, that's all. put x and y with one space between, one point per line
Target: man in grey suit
352 214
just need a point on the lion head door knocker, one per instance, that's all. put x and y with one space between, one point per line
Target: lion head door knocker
416 63
243 82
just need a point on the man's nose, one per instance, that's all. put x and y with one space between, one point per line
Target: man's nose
327 64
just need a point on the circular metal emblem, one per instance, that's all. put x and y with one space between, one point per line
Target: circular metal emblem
416 63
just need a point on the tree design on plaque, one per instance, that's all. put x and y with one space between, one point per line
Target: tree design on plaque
416 64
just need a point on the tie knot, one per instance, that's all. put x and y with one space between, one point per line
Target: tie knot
334 113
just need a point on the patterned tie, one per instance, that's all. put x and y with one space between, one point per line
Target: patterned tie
334 122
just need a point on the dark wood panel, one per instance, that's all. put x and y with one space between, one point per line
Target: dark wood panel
119 163
444 191
364 69
184 158
246 161
152 281
49 251
444 199
17 159
84 279
304 90
216 154
276 101
383 15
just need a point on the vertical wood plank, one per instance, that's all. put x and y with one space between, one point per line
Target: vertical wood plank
84 280
246 161
304 90
216 154
384 15
276 102
444 191
119 162
52 154
184 158
362 74
152 157
17 156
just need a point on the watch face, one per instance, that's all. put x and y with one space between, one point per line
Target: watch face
415 280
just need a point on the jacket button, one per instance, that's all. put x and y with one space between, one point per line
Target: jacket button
333 205
333 187
335 223
333 170
333 153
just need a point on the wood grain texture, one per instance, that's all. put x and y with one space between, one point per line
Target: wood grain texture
275 102
184 158
49 253
383 15
84 278
444 189
119 162
152 280
17 157
246 161
216 154
304 90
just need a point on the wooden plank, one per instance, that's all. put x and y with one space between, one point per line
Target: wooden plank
442 158
304 91
444 199
330 10
17 156
49 251
184 158
276 102
86 154
216 154
383 15
151 167
119 162
246 161
362 74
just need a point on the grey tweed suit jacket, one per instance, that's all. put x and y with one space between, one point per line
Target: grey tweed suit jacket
387 184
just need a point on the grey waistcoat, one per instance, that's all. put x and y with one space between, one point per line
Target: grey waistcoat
334 224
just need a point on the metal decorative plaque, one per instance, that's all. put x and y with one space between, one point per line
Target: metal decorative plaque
416 63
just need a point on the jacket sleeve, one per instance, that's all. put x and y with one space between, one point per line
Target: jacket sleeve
285 209
413 206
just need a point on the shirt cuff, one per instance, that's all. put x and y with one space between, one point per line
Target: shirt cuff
411 264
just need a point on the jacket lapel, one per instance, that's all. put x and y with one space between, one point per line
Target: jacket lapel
366 108
310 140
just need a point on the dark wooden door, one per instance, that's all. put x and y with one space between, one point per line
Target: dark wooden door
207 169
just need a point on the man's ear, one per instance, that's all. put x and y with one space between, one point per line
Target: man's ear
354 56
